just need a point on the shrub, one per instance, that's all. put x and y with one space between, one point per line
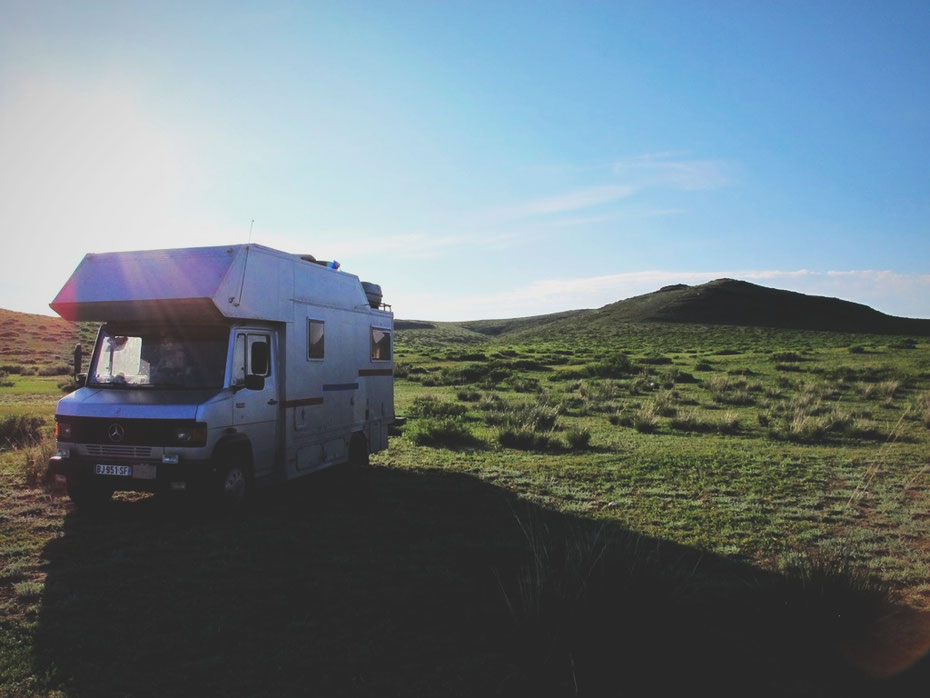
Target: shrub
473 356
690 422
468 395
645 420
598 391
11 368
492 402
401 369
428 406
36 456
656 360
57 370
617 366
526 439
21 430
525 385
641 384
439 432
578 438
829 589
729 424
786 356
527 365
675 375
662 404
538 417
622 417
729 391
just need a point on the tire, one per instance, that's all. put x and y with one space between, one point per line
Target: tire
358 452
232 490
89 496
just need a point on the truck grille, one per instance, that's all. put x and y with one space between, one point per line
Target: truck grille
119 451
123 433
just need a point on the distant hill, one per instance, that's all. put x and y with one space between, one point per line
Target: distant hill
720 302
40 340
732 302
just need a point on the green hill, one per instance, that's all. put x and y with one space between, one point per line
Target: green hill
720 302
41 342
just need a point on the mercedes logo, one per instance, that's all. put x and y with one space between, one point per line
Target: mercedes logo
116 433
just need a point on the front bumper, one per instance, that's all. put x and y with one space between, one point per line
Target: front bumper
147 476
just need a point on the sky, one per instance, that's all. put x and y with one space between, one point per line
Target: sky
477 159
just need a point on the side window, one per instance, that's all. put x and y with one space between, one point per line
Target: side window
315 339
259 355
238 367
252 355
380 344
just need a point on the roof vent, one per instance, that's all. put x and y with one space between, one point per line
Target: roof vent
373 293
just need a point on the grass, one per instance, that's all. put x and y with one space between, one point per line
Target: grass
684 515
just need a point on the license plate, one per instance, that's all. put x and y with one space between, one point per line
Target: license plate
119 470
144 471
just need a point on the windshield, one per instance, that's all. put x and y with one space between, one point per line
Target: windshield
159 358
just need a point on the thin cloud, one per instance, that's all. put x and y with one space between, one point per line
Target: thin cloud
397 247
657 171
630 176
576 200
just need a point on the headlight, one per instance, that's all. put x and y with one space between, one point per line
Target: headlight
64 431
194 434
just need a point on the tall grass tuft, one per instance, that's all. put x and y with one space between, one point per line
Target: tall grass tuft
587 597
429 406
526 439
17 431
36 456
535 417
442 432
616 366
578 438
646 419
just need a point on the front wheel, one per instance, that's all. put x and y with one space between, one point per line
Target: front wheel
88 495
233 488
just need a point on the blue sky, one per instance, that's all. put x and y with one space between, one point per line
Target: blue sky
477 159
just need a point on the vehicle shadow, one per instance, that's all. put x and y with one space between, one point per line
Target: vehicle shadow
430 583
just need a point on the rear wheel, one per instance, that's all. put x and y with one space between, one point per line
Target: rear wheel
358 452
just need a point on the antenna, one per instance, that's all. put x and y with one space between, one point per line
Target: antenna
251 225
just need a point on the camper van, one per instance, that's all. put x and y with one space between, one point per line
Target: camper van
220 369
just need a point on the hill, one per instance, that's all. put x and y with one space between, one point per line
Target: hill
731 302
41 341
719 302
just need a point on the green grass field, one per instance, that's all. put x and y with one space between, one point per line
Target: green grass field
644 510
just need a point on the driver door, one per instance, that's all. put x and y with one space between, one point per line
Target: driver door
256 412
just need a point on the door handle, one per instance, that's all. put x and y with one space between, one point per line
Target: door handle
272 402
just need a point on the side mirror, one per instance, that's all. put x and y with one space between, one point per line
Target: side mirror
81 380
253 382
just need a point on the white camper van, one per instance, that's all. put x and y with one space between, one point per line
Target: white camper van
218 369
